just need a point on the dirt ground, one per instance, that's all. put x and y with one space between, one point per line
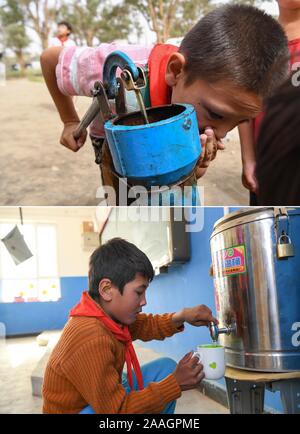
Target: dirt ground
36 170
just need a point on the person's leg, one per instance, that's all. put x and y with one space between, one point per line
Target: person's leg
157 371
253 199
98 144
87 410
154 371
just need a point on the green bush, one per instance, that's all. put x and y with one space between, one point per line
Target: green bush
30 75
14 74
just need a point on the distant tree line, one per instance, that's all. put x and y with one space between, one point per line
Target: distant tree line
96 21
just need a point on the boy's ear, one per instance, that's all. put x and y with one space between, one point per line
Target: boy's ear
175 68
105 289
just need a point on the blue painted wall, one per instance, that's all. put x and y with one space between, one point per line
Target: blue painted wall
26 318
188 285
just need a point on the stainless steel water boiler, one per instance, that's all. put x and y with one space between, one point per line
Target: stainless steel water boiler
256 265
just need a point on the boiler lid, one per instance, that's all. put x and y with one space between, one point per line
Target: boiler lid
247 215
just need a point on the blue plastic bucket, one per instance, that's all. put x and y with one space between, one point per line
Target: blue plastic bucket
162 152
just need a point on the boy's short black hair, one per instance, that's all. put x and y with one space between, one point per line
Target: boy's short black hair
240 44
68 25
119 261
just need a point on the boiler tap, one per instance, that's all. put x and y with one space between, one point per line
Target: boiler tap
215 331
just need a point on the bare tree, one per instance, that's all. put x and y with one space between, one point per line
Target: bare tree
97 20
169 18
13 27
40 16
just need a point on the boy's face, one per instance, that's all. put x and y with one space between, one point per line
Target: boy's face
124 308
62 30
218 105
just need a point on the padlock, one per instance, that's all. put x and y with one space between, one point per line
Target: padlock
286 249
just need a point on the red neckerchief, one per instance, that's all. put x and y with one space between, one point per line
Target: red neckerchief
294 47
63 39
88 307
160 92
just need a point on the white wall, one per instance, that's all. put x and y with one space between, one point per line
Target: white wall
72 259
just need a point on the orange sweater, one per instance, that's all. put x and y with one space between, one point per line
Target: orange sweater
85 368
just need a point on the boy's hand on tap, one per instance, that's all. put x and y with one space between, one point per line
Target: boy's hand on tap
197 316
67 138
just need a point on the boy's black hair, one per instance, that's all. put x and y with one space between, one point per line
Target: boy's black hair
119 261
68 25
239 44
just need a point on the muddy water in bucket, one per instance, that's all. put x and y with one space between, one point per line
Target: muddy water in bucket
159 153
154 115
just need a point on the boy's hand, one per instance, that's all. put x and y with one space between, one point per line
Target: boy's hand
188 372
197 316
249 177
210 146
67 138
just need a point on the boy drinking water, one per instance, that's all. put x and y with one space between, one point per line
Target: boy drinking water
226 65
84 372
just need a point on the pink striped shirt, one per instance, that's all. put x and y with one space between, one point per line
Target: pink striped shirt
79 67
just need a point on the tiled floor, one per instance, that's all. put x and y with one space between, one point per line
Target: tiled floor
20 356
